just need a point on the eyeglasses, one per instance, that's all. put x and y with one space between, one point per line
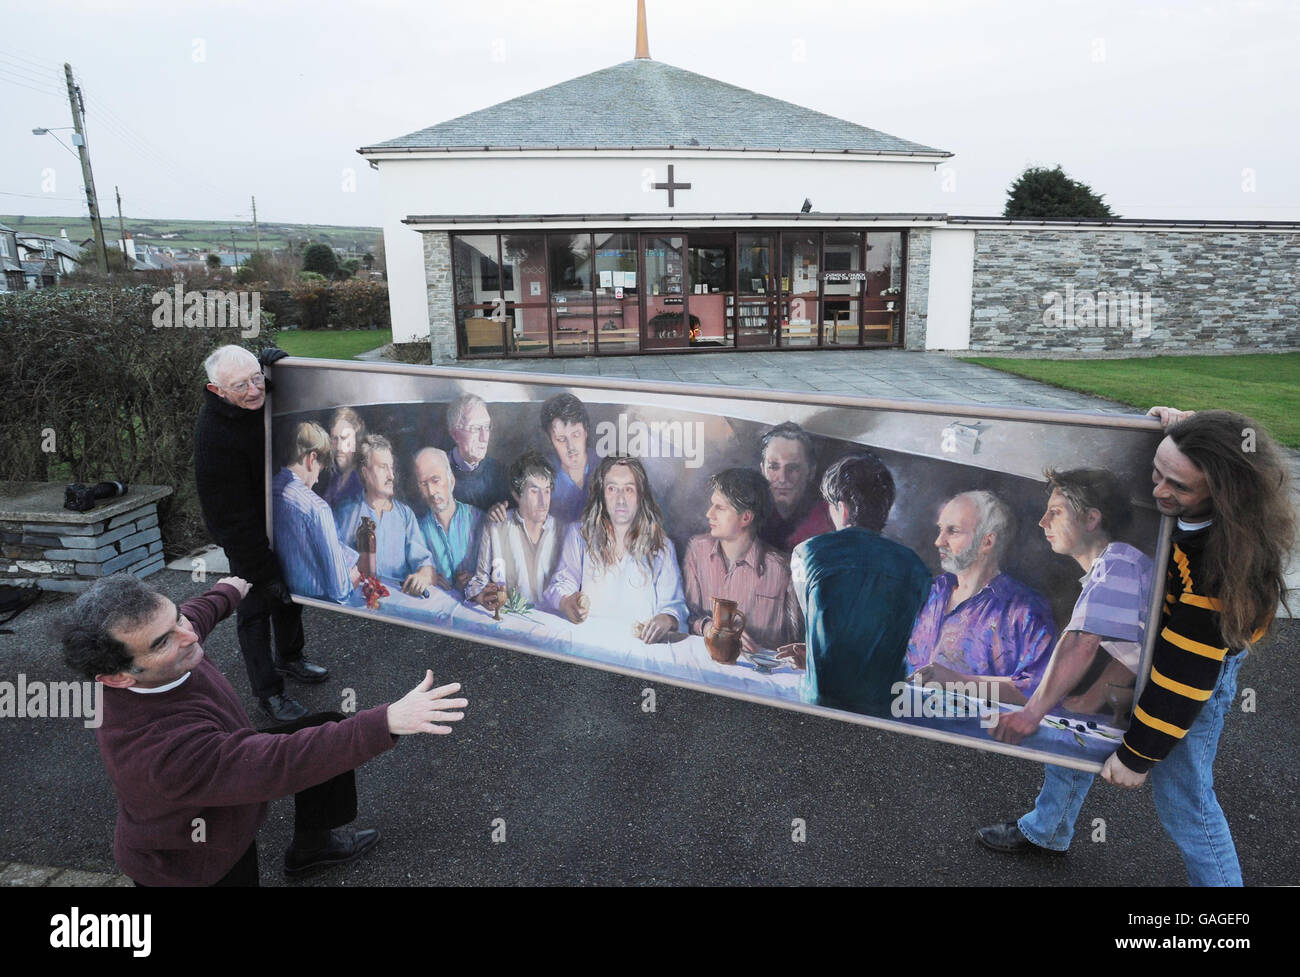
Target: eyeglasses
478 430
257 380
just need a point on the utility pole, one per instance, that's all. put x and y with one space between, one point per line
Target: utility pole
122 229
92 201
257 235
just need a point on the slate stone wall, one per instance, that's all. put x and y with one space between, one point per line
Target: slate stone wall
69 556
1127 290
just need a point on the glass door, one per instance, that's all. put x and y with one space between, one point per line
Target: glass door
755 308
711 266
618 300
664 294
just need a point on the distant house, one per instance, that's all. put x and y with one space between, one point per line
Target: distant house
58 253
12 276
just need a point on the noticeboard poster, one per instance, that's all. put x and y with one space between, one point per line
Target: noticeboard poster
904 564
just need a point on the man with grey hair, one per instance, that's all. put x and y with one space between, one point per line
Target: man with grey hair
480 480
980 623
451 529
192 777
230 473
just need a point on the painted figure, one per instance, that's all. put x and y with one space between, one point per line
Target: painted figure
314 562
519 555
400 550
859 592
568 428
732 562
978 622
342 480
451 529
618 562
480 480
789 464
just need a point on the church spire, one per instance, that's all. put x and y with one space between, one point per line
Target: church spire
642 40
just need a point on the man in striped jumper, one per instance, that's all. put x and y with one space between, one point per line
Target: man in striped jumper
1227 484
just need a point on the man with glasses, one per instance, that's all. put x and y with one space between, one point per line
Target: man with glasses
480 480
230 473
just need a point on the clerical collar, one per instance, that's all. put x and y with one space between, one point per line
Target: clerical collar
162 688
1191 527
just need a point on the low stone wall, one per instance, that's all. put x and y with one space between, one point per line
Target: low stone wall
1132 290
43 543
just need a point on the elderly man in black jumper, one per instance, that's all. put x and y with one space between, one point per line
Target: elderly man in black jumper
230 471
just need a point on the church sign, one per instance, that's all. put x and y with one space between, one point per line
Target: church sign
906 565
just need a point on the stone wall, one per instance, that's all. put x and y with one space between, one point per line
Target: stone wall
916 288
61 550
1130 290
442 307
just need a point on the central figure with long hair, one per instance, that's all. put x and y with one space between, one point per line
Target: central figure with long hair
617 561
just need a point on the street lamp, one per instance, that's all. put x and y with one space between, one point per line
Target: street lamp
76 138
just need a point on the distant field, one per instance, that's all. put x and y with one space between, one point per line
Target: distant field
205 235
1264 386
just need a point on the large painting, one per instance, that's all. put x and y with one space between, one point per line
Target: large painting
909 565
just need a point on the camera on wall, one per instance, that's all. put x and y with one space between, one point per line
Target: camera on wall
82 498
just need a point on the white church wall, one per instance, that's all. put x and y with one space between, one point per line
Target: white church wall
952 264
532 183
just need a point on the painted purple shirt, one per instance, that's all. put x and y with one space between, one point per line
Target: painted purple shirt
1005 629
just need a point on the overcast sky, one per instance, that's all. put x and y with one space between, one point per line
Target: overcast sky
1172 110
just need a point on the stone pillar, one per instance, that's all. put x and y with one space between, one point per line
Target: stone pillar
917 287
441 295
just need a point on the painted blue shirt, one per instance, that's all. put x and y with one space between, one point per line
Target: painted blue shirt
400 549
568 497
456 548
860 593
314 562
482 486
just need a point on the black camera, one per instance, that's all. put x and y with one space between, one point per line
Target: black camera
82 498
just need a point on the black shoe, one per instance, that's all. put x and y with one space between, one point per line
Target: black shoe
283 709
1009 838
303 671
344 845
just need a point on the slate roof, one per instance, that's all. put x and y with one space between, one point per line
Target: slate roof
61 245
647 104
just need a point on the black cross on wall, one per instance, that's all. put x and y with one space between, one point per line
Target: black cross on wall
671 186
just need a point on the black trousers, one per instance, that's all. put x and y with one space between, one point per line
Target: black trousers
330 804
258 615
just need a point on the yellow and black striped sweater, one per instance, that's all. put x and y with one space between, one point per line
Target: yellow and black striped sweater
1185 665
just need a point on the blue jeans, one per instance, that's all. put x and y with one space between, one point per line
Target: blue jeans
1183 785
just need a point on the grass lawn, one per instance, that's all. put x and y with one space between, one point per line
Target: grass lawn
1264 386
332 344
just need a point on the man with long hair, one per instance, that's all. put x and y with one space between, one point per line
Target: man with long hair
342 480
1227 484
617 561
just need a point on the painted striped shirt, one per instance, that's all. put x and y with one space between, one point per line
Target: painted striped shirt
1113 604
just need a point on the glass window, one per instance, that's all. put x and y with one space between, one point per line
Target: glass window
572 297
842 280
665 311
884 301
710 261
799 283
618 299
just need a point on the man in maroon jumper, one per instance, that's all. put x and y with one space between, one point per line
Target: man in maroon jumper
192 777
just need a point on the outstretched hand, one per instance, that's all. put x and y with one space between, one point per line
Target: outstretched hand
424 707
